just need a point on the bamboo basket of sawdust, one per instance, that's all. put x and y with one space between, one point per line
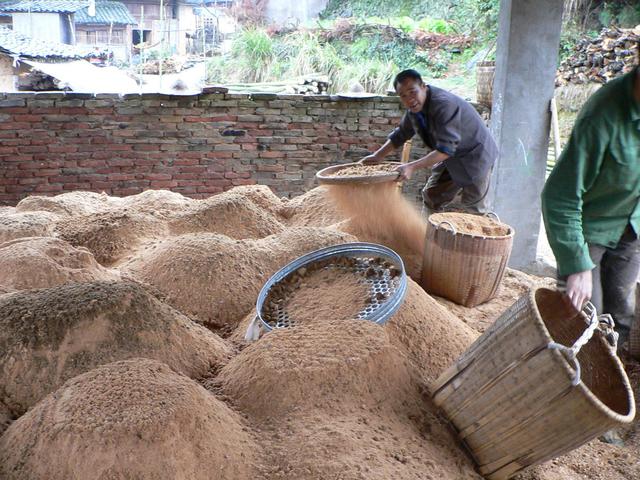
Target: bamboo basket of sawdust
543 380
465 257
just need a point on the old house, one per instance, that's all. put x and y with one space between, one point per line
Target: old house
47 20
109 29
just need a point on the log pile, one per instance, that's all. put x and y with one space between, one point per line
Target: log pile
613 53
310 85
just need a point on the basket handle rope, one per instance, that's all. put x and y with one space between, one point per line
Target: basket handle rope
603 322
489 214
446 222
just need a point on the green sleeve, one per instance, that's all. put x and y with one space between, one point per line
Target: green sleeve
562 196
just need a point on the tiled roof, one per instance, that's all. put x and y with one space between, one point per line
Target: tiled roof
106 13
13 43
43 6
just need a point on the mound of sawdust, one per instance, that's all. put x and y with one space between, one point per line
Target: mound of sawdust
314 209
50 335
5 418
217 279
514 284
130 419
230 214
469 224
71 203
328 364
157 202
26 224
42 262
365 445
430 336
110 235
262 196
341 390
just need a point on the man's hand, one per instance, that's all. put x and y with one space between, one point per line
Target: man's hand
406 171
579 288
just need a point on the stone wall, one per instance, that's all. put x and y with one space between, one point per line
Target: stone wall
52 143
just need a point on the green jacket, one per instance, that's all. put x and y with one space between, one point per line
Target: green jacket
593 191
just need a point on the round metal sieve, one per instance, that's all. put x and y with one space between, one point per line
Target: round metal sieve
380 268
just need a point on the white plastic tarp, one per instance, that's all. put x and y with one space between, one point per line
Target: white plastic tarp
82 77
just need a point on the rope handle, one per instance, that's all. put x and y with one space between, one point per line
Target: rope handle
446 222
604 323
488 214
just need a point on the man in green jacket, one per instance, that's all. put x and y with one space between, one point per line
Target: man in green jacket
590 202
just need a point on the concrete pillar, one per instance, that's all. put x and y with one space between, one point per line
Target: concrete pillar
526 62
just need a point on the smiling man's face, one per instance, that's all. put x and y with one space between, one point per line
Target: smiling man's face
413 94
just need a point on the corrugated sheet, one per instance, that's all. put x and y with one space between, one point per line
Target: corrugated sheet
106 13
43 6
13 43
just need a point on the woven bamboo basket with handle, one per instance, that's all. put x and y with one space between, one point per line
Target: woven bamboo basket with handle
541 381
467 269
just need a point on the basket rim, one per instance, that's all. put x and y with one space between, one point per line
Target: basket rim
462 234
591 397
326 179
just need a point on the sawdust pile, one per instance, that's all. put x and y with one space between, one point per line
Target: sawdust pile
469 224
230 214
130 419
430 336
71 203
329 399
41 262
315 209
157 202
341 390
48 336
379 213
26 224
216 279
262 196
110 235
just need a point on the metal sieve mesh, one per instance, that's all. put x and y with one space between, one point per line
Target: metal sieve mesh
377 266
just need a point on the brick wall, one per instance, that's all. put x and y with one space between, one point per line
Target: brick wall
52 143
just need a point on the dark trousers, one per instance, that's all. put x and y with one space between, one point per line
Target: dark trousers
440 191
615 277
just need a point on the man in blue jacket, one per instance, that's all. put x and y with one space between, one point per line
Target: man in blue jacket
462 149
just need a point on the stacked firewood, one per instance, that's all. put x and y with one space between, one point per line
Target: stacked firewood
611 54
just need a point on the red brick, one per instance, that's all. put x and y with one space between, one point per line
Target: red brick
164 183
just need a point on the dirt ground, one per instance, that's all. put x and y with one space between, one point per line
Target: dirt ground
122 350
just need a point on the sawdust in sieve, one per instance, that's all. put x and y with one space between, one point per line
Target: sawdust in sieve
470 224
328 293
365 170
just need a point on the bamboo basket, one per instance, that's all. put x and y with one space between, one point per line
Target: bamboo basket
518 396
485 71
467 269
